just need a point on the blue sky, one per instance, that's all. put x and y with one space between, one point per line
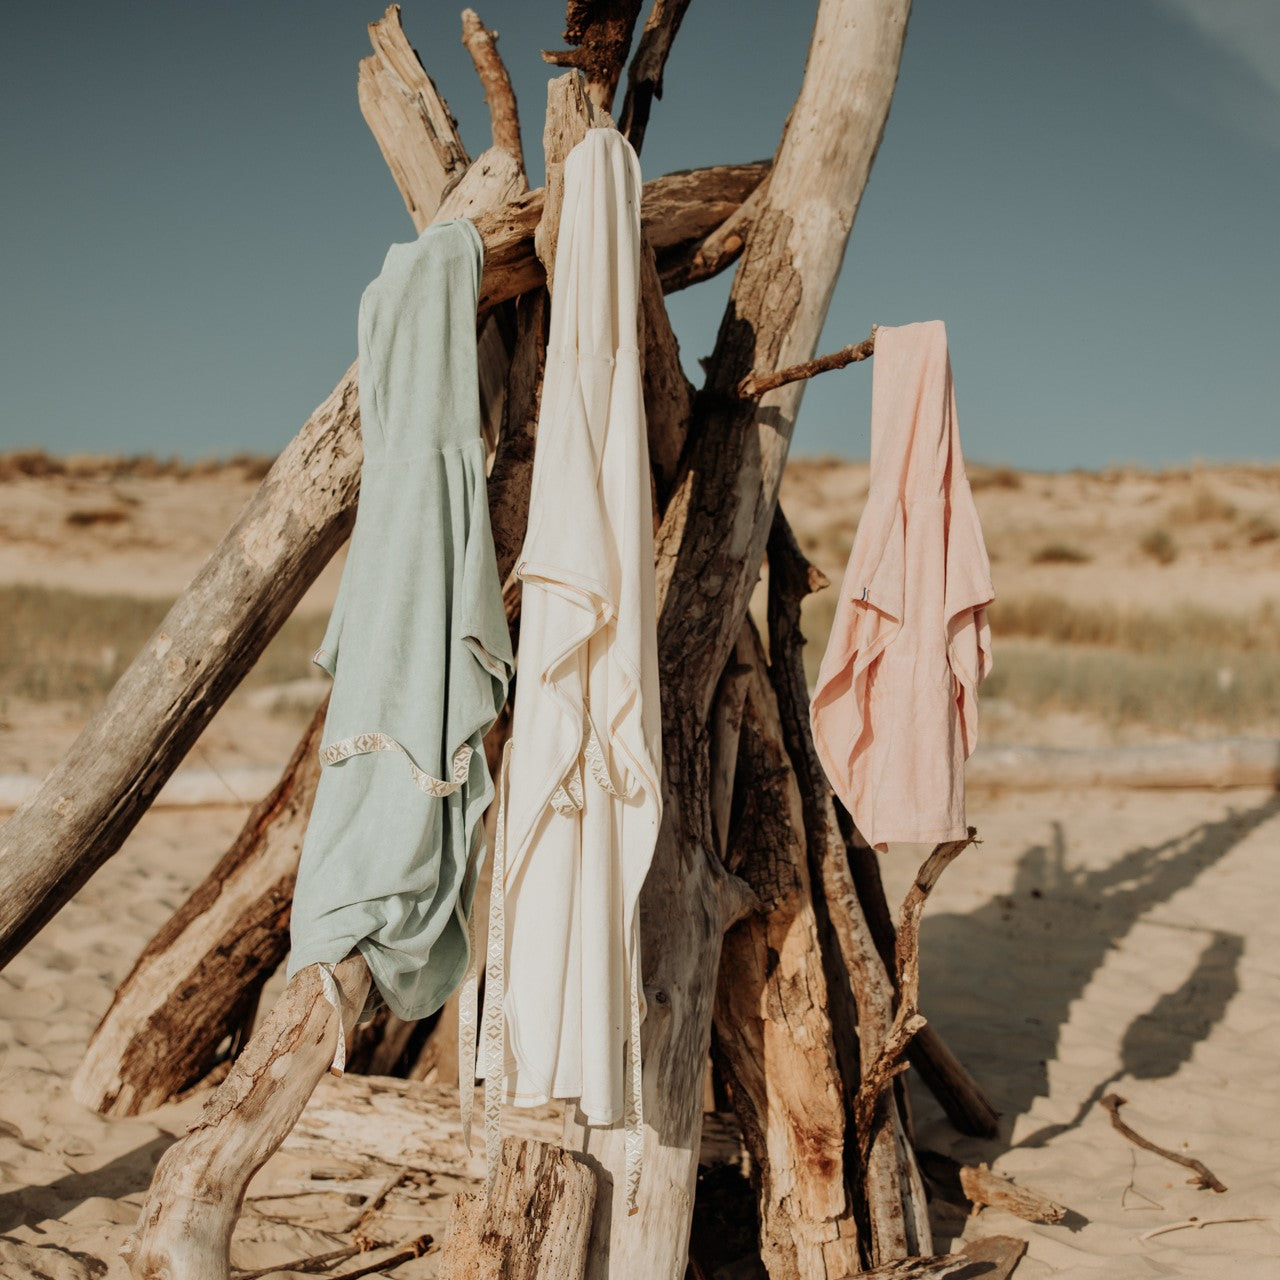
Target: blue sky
1088 194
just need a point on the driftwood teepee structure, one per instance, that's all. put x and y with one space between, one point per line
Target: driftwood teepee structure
766 936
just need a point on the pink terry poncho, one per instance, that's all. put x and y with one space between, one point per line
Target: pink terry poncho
895 710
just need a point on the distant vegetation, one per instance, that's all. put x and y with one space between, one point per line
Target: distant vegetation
71 645
36 463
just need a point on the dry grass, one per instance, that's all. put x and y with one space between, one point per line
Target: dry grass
1179 691
1159 544
37 464
1258 529
1204 505
1123 666
69 645
1060 553
1141 631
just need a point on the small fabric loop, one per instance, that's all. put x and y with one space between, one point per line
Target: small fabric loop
364 743
329 985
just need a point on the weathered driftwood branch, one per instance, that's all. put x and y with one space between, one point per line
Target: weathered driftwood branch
1204 1178
907 1021
535 1223
858 978
197 982
709 550
982 1187
504 117
601 31
773 1042
403 108
217 628
756 384
988 1258
644 75
195 1197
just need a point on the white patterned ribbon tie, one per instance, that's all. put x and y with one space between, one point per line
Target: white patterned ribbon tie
364 743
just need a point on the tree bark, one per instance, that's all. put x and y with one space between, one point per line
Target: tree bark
773 1040
710 547
535 1222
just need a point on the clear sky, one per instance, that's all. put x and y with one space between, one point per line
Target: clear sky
1087 193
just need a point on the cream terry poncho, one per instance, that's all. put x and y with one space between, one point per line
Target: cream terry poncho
417 645
583 791
895 711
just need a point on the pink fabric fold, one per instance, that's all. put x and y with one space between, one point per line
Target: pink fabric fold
895 710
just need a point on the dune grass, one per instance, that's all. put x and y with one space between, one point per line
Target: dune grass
1165 670
62 644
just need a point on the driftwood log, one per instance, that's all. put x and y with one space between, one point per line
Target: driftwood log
808 1009
198 1189
536 1222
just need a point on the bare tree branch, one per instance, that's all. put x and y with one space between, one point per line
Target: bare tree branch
504 118
644 75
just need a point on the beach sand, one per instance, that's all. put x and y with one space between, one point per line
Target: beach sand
1094 942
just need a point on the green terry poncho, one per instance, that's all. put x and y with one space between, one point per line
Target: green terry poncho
417 646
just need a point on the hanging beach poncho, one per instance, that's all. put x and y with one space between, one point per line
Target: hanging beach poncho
895 709
583 791
417 646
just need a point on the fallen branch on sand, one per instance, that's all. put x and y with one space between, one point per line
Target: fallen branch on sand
1194 1222
1204 1179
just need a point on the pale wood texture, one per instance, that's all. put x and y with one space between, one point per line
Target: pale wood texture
197 982
983 1187
504 116
710 547
403 108
184 1230
990 1258
534 1223
644 75
773 1039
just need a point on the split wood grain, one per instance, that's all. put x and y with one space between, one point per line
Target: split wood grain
534 1223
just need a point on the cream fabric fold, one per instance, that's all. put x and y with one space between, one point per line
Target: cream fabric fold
583 798
895 709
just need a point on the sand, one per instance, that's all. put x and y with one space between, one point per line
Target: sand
1096 941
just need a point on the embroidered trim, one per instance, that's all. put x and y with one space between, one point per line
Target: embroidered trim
567 798
467 1001
633 1091
493 1030
364 743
